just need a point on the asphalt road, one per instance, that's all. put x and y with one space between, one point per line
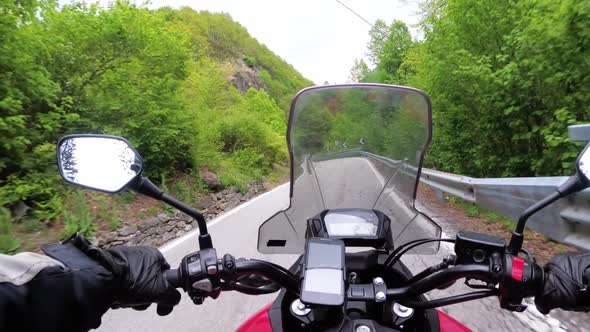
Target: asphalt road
236 232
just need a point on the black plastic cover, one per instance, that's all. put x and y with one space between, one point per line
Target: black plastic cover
371 230
477 248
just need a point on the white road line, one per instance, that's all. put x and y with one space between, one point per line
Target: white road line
190 235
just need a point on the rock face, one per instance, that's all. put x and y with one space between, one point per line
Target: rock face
210 178
246 77
156 231
127 230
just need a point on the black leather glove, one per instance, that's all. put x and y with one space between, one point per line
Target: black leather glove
139 277
566 285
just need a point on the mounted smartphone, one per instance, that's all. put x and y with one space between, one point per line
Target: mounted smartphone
323 272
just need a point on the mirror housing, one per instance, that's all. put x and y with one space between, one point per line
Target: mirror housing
583 166
99 162
110 164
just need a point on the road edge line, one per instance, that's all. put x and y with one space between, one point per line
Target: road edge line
174 243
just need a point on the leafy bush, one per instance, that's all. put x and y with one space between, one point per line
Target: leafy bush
185 187
250 61
107 211
8 243
505 78
158 78
78 217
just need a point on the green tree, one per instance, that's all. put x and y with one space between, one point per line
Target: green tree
159 78
505 78
378 36
359 71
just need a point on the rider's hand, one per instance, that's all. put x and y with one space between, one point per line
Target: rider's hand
139 276
566 286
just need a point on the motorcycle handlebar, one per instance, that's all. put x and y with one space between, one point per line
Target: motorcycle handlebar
516 281
173 277
243 267
269 270
439 279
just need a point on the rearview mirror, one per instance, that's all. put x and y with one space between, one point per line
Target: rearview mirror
583 165
99 162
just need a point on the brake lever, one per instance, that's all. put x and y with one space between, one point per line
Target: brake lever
479 286
254 280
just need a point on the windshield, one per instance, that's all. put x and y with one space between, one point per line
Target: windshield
354 146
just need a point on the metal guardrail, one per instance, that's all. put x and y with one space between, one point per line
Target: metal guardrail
566 221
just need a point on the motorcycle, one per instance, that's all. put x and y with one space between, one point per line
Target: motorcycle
351 218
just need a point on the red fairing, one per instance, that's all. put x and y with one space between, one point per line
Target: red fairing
257 323
449 324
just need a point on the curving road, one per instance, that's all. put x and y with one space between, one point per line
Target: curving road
236 232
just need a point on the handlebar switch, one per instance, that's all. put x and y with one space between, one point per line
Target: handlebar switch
200 275
193 265
522 278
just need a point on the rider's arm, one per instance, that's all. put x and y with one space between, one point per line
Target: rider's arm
38 293
72 290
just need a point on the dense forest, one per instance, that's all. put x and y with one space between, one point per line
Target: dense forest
506 78
188 89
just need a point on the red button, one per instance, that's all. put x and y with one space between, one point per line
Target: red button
517 268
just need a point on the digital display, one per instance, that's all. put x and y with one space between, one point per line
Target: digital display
351 223
324 255
323 276
323 281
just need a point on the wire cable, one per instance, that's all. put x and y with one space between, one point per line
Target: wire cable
449 300
355 13
398 249
410 247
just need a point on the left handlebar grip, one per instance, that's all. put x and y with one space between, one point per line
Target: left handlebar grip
173 277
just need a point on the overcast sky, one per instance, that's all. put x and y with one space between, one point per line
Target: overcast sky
320 38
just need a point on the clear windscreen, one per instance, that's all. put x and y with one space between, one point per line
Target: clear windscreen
354 146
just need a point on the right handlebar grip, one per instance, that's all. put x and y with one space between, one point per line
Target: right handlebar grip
173 277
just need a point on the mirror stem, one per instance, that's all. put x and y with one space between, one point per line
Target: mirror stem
146 187
572 185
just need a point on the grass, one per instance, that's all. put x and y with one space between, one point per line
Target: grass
30 225
279 175
153 211
126 197
8 242
185 187
90 212
78 217
476 211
